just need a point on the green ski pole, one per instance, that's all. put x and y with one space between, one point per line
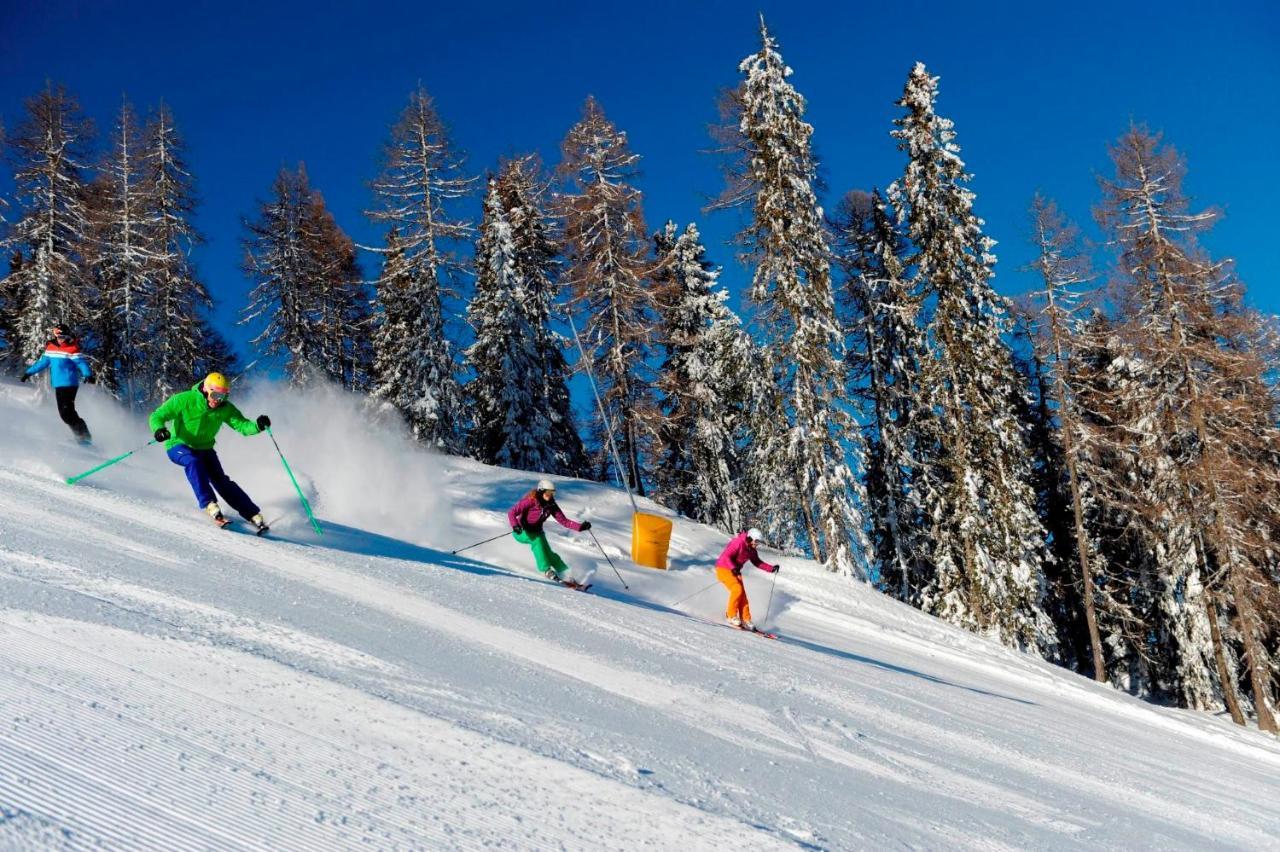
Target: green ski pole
314 523
72 480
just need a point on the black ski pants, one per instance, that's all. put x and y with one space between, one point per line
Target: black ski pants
67 410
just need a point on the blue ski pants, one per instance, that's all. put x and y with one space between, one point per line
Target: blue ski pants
205 474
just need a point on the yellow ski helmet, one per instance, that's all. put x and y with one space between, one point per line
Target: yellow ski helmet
216 382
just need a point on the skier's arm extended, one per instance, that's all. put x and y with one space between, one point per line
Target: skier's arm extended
239 422
42 363
754 556
564 522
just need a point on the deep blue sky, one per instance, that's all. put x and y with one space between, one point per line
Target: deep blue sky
1036 95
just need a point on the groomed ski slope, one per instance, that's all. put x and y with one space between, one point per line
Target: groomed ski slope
165 684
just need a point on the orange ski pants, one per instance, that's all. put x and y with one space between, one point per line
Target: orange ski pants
738 605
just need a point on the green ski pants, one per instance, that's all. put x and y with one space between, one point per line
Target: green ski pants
543 555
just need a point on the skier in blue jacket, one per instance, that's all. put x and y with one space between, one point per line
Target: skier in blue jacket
67 365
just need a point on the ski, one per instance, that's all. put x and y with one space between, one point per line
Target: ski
756 630
224 522
571 584
765 634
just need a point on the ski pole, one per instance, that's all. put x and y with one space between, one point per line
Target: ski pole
694 595
477 544
305 505
769 605
610 561
72 480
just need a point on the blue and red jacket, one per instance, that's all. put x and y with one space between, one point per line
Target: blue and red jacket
66 364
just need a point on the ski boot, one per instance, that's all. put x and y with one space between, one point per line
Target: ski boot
214 512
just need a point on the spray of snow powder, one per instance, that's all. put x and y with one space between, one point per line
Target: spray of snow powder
356 465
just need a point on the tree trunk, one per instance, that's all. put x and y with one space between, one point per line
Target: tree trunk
1083 552
814 542
1259 676
1220 657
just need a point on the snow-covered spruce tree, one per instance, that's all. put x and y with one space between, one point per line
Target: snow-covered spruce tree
102 332
702 442
7 310
509 427
984 542
882 360
1034 406
4 202
1063 266
49 150
308 297
519 398
181 344
523 190
277 261
395 317
415 368
606 271
806 441
1196 416
1135 656
120 260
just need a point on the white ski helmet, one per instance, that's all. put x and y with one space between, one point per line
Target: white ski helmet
546 485
754 534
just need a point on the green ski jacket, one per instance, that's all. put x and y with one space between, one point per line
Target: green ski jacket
195 424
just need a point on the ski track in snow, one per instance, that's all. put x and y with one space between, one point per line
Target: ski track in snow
166 684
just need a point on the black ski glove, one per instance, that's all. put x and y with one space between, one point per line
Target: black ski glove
586 525
161 435
517 529
25 377
776 569
264 422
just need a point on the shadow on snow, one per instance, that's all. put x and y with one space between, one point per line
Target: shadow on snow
361 542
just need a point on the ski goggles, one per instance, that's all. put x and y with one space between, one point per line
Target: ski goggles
218 395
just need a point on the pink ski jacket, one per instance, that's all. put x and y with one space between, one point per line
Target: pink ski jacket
531 515
738 552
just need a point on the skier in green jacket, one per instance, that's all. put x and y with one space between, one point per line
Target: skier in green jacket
197 415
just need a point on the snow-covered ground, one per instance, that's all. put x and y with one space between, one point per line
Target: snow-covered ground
165 684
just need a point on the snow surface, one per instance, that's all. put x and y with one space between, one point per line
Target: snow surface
165 684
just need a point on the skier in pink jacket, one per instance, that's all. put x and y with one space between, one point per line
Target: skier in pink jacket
527 518
740 550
